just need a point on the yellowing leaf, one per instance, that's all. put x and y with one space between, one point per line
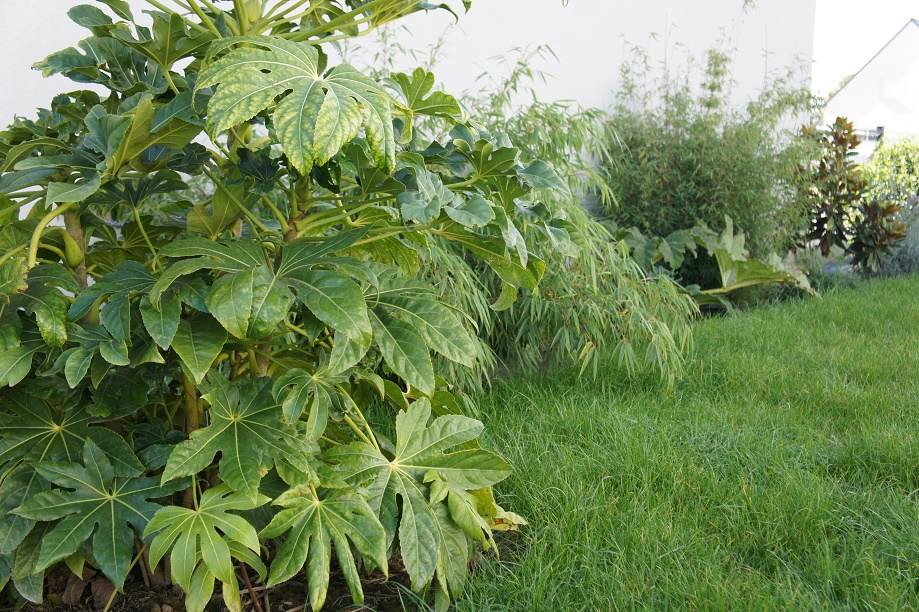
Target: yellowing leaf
319 115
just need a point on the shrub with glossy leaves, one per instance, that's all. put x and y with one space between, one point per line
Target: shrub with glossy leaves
189 371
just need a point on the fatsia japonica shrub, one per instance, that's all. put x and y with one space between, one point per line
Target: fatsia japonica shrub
238 376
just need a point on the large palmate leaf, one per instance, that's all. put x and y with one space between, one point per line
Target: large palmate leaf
421 449
168 41
313 522
246 428
127 278
100 502
419 99
410 301
204 541
299 390
317 118
250 299
36 432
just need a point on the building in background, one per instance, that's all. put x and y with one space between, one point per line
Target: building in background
591 39
883 96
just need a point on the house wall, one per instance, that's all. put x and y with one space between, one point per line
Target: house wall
885 92
590 38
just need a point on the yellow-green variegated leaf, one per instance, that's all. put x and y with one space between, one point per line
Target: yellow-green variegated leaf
317 115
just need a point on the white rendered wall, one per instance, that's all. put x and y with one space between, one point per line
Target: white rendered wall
590 38
886 91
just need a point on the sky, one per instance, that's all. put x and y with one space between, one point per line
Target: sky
850 32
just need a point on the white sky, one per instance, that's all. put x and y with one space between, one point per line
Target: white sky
850 32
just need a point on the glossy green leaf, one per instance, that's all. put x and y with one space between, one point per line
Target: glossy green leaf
246 428
230 301
198 344
419 99
421 448
99 502
404 350
335 300
44 299
72 192
298 390
475 212
313 522
541 175
171 40
15 364
162 323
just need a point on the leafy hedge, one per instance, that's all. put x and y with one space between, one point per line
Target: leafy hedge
689 158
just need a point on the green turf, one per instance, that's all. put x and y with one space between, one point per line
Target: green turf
782 473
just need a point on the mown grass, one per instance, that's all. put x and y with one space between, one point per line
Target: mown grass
782 473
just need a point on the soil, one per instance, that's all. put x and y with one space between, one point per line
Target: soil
380 595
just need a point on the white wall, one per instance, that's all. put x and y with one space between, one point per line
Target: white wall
589 36
591 39
885 92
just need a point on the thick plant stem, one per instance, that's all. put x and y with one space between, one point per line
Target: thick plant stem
192 417
75 229
261 358
192 423
36 234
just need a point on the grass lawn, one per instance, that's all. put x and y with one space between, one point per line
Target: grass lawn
782 473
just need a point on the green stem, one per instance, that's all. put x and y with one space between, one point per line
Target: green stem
236 201
266 18
387 233
277 213
296 329
54 250
169 82
357 430
39 230
241 17
461 185
75 229
333 215
169 11
370 433
143 233
9 254
193 5
342 19
231 22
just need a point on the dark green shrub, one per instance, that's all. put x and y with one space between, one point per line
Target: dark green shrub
893 178
190 371
832 185
689 158
877 233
